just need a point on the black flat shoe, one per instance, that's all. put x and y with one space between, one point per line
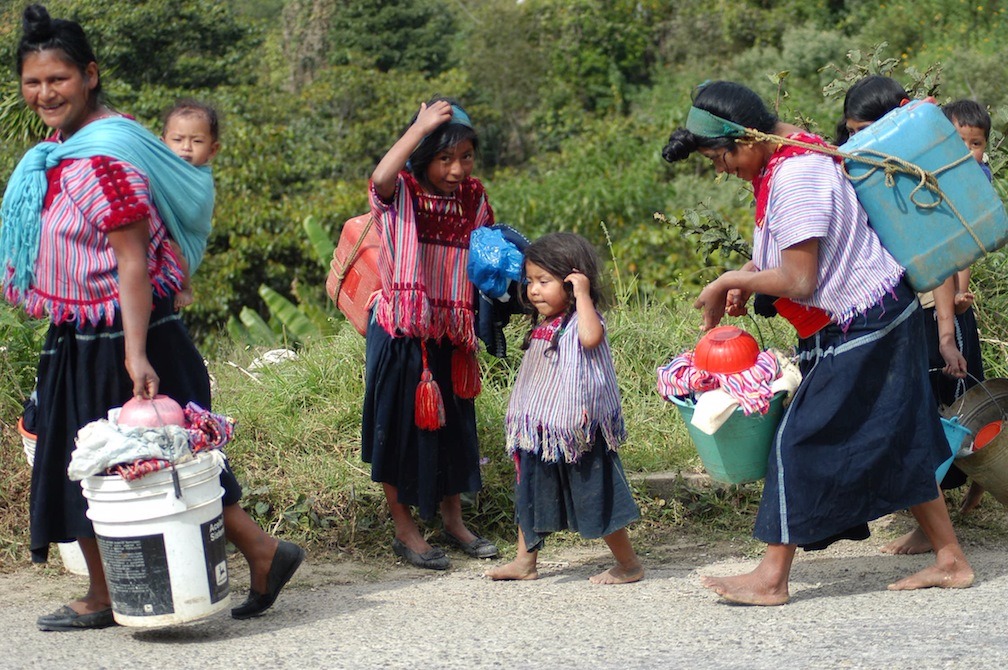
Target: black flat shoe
433 559
479 547
285 563
65 618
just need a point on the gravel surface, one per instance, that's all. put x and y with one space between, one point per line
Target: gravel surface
354 615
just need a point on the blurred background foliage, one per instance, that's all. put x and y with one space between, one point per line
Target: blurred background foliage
573 100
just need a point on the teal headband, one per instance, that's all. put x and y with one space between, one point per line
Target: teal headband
703 123
460 117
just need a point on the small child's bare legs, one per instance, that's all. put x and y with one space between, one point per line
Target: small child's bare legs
628 567
522 567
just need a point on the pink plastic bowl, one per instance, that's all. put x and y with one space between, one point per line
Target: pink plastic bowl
151 412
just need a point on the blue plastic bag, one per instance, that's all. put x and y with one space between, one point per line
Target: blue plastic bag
494 262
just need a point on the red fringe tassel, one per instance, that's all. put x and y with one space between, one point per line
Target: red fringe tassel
465 374
429 411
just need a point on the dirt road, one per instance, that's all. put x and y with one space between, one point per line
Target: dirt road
350 615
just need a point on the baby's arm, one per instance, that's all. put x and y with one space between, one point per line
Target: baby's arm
590 329
428 119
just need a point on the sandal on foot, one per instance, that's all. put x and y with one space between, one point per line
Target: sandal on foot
478 547
67 618
433 559
286 561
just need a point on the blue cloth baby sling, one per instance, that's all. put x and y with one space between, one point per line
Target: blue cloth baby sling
183 194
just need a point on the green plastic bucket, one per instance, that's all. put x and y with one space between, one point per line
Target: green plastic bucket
737 452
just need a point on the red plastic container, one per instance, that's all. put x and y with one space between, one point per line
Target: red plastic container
353 273
726 350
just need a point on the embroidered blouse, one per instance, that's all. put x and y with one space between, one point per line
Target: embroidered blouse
76 276
425 249
562 398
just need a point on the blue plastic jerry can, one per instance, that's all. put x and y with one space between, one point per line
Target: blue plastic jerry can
936 220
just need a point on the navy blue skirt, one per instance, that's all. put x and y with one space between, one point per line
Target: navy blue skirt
425 466
81 376
862 437
591 497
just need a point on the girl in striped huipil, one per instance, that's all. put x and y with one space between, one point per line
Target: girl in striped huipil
564 420
861 438
419 419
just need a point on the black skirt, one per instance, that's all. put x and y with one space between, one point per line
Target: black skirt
425 466
862 437
591 497
81 376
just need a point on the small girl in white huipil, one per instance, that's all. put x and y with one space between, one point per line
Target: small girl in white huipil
565 420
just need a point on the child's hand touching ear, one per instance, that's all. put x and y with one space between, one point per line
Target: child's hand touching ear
581 285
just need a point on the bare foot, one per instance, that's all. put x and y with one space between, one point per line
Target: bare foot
957 576
914 542
184 298
972 499
617 574
748 589
515 570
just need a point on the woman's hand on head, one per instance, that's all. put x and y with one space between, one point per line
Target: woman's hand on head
431 117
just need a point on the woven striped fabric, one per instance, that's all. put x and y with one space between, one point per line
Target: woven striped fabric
811 198
679 377
750 388
563 398
425 249
76 274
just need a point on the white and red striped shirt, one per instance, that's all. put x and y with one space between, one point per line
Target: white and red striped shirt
76 274
811 198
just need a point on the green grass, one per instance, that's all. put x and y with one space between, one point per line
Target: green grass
297 443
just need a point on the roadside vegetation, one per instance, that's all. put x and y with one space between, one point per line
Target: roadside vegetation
573 100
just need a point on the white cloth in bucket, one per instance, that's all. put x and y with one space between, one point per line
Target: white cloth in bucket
102 444
712 409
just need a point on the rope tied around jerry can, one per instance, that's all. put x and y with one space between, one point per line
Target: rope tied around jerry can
891 166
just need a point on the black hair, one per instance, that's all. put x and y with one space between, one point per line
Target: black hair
727 100
192 107
968 113
872 97
561 254
446 135
842 134
40 33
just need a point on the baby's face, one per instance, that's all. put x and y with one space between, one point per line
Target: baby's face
188 135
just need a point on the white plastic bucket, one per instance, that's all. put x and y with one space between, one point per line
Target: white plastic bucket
70 552
27 442
164 556
73 558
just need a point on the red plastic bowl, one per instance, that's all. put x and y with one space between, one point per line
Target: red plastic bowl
726 350
151 412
